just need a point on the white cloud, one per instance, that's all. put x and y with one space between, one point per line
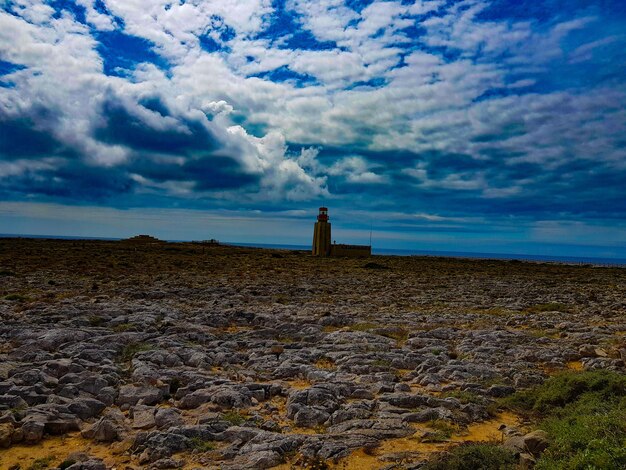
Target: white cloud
355 170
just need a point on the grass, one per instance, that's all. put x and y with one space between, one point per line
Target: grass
16 297
463 396
95 320
384 363
442 431
399 334
485 456
131 349
363 326
584 414
122 327
201 445
234 417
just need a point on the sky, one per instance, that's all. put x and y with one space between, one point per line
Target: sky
460 125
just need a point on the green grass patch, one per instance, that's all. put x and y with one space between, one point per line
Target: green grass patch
584 414
381 363
234 417
474 457
463 396
131 349
442 431
122 327
201 445
16 298
95 320
567 388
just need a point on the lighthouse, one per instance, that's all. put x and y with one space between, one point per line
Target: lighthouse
321 234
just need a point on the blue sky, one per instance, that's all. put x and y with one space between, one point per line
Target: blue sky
472 125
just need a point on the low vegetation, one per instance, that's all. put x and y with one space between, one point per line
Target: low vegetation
201 445
131 349
235 418
584 414
474 457
441 431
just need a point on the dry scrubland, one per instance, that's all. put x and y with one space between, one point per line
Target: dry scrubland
179 356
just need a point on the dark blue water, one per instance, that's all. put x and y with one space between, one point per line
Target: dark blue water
396 252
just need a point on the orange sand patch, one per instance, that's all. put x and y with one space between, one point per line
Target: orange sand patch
58 448
298 384
325 364
237 329
487 430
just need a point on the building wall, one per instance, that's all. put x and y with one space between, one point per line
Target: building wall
321 239
351 251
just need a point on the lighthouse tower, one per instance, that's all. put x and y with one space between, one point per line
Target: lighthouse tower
321 234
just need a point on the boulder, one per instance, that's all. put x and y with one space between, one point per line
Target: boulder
102 431
166 418
533 443
6 433
143 417
307 417
86 408
429 414
90 464
32 431
131 395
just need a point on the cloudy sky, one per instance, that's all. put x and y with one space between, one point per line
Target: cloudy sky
470 125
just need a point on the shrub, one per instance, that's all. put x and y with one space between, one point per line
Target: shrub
234 417
588 434
201 445
562 389
16 297
442 431
474 457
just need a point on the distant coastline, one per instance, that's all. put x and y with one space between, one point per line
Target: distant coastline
598 261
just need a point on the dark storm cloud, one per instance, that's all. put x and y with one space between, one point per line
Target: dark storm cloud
69 181
122 127
208 172
20 138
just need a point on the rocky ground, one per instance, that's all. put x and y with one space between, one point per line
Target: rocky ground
127 356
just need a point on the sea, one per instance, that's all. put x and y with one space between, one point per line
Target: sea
582 260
